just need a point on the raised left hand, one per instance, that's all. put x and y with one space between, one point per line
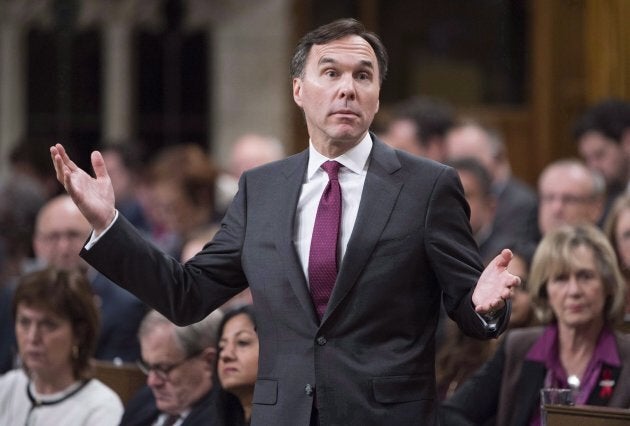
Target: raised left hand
495 285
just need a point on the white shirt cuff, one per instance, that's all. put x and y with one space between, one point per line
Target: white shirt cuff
94 238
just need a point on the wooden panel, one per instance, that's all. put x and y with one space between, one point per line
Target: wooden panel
586 415
607 44
124 379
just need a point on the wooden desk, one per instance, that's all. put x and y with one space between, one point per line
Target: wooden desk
586 415
124 379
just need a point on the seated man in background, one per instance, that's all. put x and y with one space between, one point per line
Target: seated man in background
60 231
179 363
419 125
569 193
516 203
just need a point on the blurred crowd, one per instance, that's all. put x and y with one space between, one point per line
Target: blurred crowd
570 236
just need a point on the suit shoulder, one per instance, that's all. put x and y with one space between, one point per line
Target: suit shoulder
521 338
285 165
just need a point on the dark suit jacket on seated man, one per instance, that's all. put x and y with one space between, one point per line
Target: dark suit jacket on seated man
404 242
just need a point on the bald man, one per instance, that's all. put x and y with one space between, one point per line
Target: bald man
60 232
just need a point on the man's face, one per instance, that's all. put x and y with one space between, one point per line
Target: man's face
188 378
566 197
604 155
339 92
481 205
402 134
61 231
471 142
44 339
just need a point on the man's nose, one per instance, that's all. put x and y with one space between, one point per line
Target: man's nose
153 380
347 89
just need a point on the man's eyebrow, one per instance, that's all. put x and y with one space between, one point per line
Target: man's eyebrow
328 60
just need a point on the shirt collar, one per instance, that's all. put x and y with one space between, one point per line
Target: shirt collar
355 159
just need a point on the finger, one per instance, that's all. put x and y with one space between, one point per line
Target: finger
98 165
56 159
503 259
65 158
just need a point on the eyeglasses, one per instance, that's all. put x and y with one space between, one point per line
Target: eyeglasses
56 236
162 371
566 199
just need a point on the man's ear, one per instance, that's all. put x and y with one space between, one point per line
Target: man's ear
297 91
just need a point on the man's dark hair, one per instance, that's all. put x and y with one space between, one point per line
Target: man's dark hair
433 117
334 31
475 168
610 117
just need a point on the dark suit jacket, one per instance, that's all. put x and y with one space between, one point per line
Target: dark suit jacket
142 411
121 313
8 345
371 359
516 216
508 386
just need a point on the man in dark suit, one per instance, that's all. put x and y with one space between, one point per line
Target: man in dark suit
180 364
363 354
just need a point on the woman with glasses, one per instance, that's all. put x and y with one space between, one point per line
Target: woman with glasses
179 364
56 324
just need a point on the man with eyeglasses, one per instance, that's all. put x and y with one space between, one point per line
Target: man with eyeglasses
569 193
60 232
179 364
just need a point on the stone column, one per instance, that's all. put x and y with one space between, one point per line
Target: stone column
12 92
117 82
251 85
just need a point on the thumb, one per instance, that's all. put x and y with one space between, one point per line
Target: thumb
98 165
504 258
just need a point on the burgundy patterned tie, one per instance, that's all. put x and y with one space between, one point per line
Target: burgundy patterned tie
322 261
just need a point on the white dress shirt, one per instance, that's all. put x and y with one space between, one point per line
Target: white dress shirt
352 175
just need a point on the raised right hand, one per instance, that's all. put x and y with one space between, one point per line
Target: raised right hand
93 196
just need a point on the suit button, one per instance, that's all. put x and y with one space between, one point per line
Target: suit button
321 341
309 390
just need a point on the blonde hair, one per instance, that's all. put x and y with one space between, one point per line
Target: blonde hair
555 255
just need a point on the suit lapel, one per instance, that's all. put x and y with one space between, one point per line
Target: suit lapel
529 384
380 192
293 177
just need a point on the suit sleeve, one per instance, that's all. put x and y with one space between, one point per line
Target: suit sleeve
184 293
454 255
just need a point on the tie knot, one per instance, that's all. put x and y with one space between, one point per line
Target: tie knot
332 168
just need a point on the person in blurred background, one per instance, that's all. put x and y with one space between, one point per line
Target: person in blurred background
515 216
579 294
248 151
181 180
124 164
602 135
56 324
522 314
238 356
418 125
179 364
60 231
569 193
617 228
